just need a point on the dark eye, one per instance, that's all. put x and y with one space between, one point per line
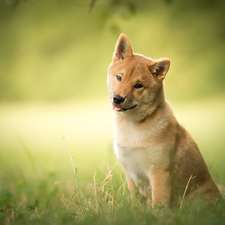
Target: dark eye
138 85
119 78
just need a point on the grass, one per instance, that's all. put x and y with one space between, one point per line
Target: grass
104 202
38 182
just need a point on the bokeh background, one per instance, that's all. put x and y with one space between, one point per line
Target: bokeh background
54 57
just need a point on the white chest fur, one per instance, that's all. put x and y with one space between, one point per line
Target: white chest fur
137 150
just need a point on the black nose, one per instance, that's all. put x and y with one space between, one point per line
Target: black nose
117 99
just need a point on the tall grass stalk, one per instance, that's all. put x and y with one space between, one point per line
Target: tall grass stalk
74 170
182 200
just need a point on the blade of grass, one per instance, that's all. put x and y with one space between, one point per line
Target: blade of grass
104 182
74 170
49 197
181 204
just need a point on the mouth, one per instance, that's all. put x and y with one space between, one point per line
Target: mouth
120 109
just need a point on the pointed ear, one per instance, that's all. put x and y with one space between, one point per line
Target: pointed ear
160 68
123 48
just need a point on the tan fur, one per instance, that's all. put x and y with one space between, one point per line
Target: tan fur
158 155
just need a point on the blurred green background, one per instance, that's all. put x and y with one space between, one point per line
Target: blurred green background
54 57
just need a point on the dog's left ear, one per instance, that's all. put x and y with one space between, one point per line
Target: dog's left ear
123 48
160 68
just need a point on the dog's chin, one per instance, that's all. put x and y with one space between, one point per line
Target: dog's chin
120 109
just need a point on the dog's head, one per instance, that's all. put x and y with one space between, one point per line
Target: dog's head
134 80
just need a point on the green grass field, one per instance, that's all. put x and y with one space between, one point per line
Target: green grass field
37 184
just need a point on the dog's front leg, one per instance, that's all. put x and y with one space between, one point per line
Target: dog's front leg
161 187
131 185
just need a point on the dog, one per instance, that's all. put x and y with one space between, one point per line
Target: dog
161 161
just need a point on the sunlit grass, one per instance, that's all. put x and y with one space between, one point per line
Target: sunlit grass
88 128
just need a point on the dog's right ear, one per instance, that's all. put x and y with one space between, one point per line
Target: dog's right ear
123 48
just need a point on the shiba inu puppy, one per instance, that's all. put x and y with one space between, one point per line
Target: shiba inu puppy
158 155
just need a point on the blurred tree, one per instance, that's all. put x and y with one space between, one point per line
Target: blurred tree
46 42
108 8
131 5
